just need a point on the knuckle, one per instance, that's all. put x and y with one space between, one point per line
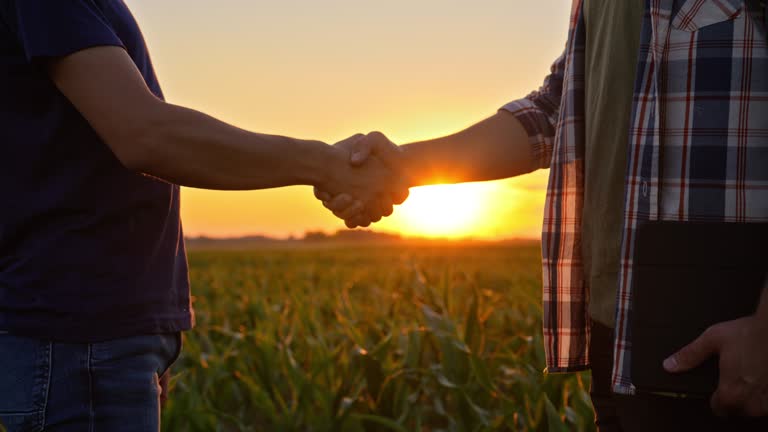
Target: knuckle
378 140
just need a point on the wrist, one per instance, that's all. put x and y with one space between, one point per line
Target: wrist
324 162
411 160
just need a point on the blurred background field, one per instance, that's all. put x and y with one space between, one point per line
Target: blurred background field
390 336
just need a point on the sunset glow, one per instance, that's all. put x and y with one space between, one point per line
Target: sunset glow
328 70
447 210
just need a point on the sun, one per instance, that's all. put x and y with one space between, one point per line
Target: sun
451 211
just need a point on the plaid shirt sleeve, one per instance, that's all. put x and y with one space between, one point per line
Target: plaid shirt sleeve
697 151
553 117
539 112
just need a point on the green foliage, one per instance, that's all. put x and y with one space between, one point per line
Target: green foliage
370 339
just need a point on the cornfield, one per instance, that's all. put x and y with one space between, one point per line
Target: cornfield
370 338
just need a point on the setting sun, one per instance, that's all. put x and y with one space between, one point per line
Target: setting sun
446 210
294 69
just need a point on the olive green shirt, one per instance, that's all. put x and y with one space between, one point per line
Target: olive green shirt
613 41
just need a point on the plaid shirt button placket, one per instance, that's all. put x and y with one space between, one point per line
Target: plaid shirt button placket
698 151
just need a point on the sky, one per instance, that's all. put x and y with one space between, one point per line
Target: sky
327 69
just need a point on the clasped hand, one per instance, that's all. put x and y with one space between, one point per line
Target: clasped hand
373 181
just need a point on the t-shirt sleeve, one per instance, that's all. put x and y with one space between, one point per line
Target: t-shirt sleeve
56 28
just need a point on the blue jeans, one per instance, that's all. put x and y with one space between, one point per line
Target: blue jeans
61 387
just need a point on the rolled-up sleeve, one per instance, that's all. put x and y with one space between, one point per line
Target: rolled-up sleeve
539 113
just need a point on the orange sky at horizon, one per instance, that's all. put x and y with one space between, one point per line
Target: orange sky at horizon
326 70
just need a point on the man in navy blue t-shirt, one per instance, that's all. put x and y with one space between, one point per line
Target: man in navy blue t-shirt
93 273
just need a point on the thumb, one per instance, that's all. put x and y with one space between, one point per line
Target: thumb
384 149
694 353
362 151
353 144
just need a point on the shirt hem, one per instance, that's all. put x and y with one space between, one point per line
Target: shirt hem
97 331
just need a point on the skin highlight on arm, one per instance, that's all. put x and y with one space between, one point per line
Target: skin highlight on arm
189 148
495 148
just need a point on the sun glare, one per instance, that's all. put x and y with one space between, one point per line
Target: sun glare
451 211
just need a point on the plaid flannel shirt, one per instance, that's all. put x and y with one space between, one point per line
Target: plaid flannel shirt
697 151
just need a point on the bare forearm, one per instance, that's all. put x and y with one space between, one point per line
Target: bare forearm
178 144
493 149
190 148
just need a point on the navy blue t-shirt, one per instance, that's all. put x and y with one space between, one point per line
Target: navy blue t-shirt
89 250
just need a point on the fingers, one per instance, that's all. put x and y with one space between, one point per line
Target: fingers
387 211
361 223
386 150
364 219
339 203
351 142
359 147
375 212
381 207
354 222
399 195
355 213
695 353
322 195
362 151
344 206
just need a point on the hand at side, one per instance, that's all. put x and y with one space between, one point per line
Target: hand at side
743 356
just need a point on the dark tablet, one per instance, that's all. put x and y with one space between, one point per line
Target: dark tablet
689 276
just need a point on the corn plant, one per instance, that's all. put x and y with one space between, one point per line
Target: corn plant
359 339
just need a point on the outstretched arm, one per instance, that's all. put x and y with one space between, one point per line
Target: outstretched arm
190 148
516 140
492 149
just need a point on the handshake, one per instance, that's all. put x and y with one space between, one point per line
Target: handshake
370 181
